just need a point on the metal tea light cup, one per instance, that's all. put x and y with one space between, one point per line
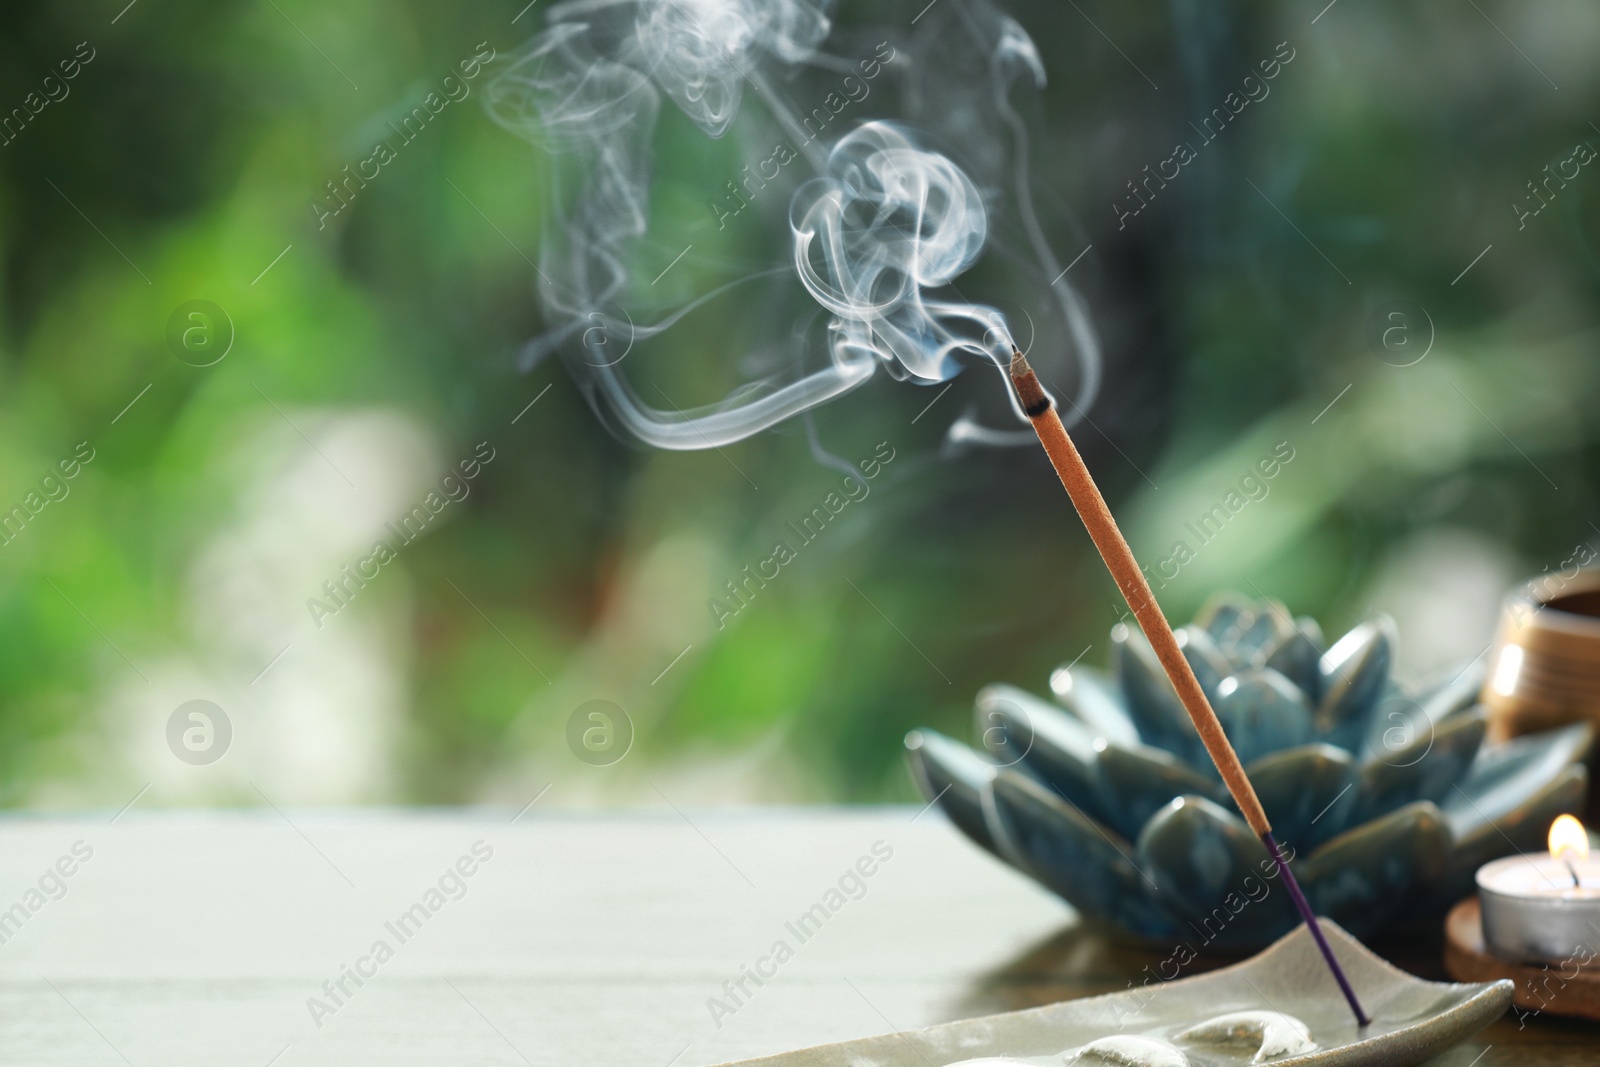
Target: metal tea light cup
1532 914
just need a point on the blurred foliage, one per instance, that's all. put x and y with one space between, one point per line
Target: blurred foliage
1233 310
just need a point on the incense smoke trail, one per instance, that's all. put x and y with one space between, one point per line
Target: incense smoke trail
881 230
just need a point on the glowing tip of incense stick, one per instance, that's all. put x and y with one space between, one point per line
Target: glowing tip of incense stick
1035 401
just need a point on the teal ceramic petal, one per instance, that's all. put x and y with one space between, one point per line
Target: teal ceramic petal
1400 714
1211 871
1312 630
1094 700
1210 666
1222 614
1018 728
1456 694
1138 781
1522 829
1262 712
999 704
1355 674
1297 657
1396 721
1271 626
1152 703
1425 769
1504 776
1086 863
1366 876
1306 792
953 776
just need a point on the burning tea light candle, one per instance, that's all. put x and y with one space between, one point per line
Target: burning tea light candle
1544 907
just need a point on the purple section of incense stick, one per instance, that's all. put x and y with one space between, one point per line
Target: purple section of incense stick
1304 908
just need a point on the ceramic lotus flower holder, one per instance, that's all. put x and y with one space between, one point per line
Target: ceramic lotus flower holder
1388 797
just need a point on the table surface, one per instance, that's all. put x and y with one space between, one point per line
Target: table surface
203 937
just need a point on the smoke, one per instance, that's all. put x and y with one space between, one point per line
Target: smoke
894 208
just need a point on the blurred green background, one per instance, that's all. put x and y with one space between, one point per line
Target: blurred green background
372 355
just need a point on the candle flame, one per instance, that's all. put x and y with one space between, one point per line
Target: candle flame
1568 839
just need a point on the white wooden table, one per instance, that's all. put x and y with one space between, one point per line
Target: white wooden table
198 938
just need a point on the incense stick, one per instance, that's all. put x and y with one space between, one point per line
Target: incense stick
1119 559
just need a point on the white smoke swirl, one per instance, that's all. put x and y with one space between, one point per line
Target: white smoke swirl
878 237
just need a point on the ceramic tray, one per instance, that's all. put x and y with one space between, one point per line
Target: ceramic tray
1413 1020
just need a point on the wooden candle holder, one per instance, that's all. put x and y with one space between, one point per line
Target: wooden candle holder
1569 990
